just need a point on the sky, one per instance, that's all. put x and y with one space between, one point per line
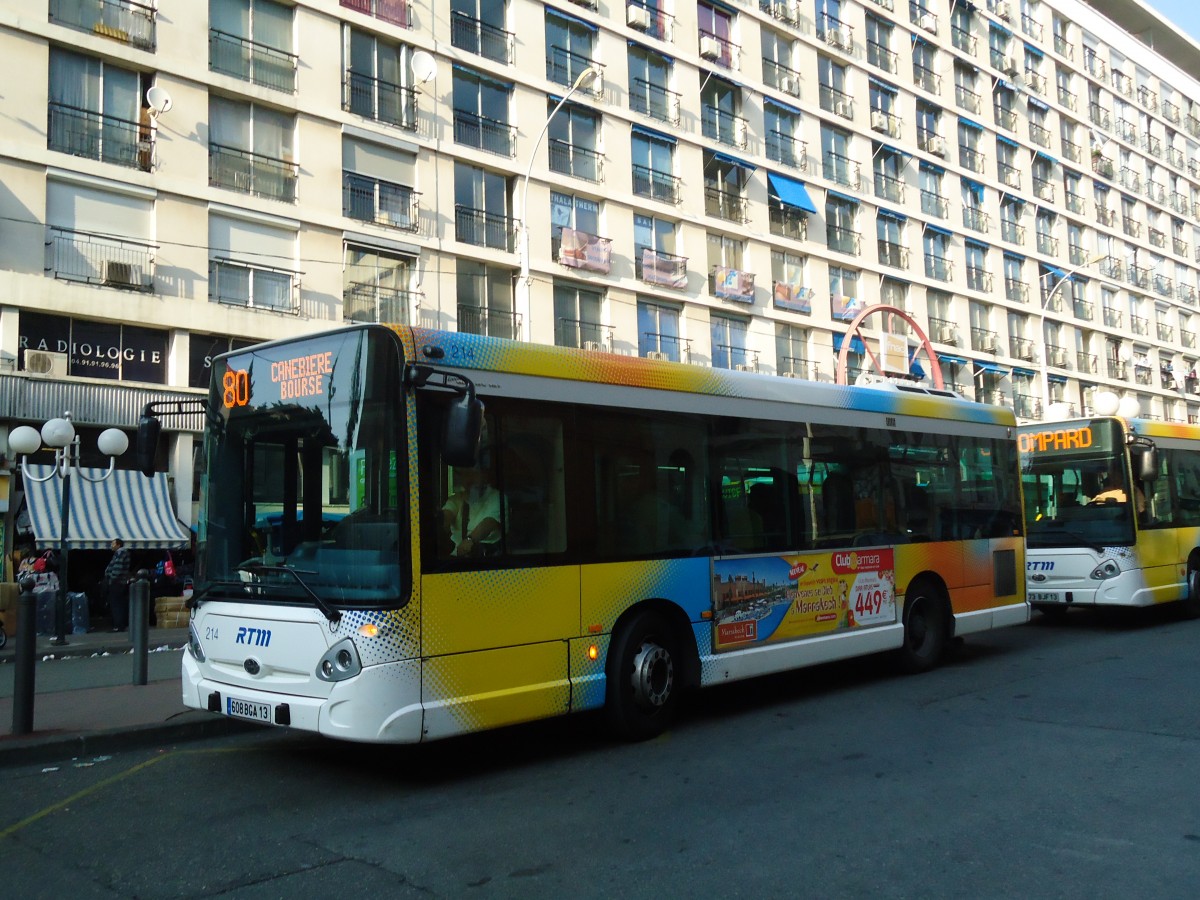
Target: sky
1183 13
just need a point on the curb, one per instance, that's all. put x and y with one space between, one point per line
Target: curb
15 751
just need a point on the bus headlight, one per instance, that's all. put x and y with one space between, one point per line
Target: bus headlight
1107 569
193 643
339 662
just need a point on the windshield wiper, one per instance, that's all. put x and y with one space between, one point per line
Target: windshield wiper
329 612
1074 536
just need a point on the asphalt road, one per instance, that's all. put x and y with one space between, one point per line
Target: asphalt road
1042 761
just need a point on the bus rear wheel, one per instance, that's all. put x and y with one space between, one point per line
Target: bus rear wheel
926 628
1190 605
643 677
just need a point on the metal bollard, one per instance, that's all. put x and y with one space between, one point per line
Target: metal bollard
139 624
26 659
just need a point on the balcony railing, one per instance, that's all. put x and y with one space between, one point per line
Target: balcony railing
834 32
1043 188
1063 47
984 340
1166 333
582 250
781 78
1140 325
968 99
1016 291
1072 151
939 267
979 279
933 204
668 346
971 159
1117 368
365 301
564 66
843 240
1114 318
1012 232
502 323
1058 356
723 127
786 149
1039 134
927 79
882 58
579 162
491 135
1047 245
728 205
1068 98
470 34
657 185
582 334
963 40
1076 203
837 102
660 268
654 100
379 100
252 173
1027 406
1006 118
975 219
251 61
99 259
943 331
1009 174
720 50
841 170
889 187
1022 348
93 135
121 20
893 254
380 202
483 229
253 286
1084 309
787 221
657 23
394 11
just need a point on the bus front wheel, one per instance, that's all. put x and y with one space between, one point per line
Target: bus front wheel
1191 603
926 628
643 677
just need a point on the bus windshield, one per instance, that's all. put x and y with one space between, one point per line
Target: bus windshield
1077 486
303 482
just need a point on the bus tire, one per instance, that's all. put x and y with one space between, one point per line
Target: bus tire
1190 604
926 627
644 677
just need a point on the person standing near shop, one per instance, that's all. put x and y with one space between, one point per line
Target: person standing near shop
116 577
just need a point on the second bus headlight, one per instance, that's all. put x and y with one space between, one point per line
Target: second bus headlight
1107 569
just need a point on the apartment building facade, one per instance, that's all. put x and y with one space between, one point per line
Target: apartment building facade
724 184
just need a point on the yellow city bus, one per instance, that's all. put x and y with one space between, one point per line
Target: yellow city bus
468 532
1112 513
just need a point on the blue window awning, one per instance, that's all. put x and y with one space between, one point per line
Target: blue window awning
1058 273
951 358
1009 141
732 160
1032 50
1057 379
791 192
856 344
1047 157
846 197
991 368
936 229
1023 373
889 214
652 134
915 368
1015 257
938 170
970 123
126 505
1038 104
973 186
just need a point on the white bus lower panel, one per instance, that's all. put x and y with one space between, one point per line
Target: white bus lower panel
769 658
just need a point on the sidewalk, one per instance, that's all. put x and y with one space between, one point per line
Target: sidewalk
86 704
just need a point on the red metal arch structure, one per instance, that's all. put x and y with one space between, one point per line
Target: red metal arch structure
876 358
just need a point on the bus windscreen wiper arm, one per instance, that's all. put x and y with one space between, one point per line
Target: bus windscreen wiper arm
329 612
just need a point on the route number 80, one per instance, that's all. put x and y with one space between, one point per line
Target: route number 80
236 384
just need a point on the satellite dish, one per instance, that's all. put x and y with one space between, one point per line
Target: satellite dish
158 100
424 66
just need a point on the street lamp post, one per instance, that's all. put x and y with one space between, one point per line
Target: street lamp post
1045 303
523 280
59 435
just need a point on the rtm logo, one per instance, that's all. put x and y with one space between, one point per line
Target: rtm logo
1035 565
253 637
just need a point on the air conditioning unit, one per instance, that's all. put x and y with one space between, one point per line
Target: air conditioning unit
121 274
1008 64
937 145
879 120
787 84
838 38
592 345
710 47
638 17
742 367
842 108
43 362
656 354
947 335
928 21
1004 11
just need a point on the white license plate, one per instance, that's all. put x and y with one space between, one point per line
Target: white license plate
245 709
1044 597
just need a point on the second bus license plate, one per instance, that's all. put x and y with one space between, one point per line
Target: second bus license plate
245 709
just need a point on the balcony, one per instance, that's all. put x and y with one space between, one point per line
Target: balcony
843 240
656 185
120 20
1100 116
1102 165
943 331
1009 174
654 100
723 127
963 40
787 221
1164 285
1039 134
984 340
1106 216
1011 232
837 102
731 284
1187 294
893 254
1114 318
578 162
379 202
979 279
483 229
1016 291
1088 363
502 323
938 267
651 20
841 170
971 159
1047 245
1035 82
834 32
659 268
1027 406
99 259
470 34
933 204
1032 27
1157 237
781 77
1077 254
1180 247
1112 267
1084 310
1170 112
727 205
1068 98
1072 151
482 133
1117 369
1096 67
889 187
365 301
1076 203
1063 47
1006 118
927 79
252 173
1130 179
1131 226
253 62
1058 357
968 99
1166 333
794 366
975 219
379 100
1122 83
1142 373
582 334
1022 348
670 346
881 57
1140 325
393 11
784 10
885 122
582 250
1044 189
93 135
786 149
719 50
253 286
564 66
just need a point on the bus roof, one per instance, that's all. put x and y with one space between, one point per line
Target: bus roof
476 352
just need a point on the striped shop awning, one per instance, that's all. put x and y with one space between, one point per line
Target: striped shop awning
126 505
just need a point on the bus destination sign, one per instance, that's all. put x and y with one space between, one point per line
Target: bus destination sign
296 377
1052 439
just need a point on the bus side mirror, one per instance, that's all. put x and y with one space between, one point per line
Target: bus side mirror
464 427
1145 463
149 428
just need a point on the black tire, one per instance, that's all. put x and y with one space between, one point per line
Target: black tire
1053 612
926 629
643 675
1189 606
3 637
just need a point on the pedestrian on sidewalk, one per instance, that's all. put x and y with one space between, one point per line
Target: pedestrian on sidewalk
116 578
